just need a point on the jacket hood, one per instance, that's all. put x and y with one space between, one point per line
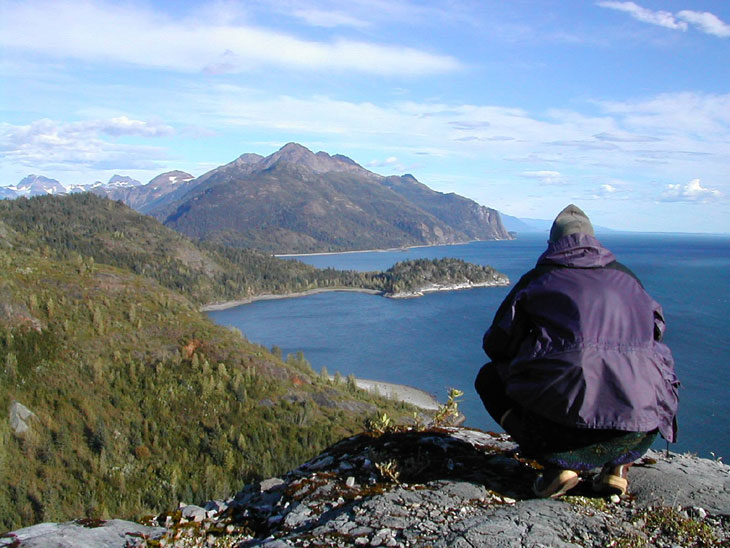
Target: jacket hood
570 221
578 250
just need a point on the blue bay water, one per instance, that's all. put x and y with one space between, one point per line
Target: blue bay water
434 342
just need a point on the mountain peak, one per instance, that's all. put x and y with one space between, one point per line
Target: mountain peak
249 158
292 153
293 147
321 162
123 180
33 185
170 178
345 159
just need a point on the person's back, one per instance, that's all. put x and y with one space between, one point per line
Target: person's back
576 350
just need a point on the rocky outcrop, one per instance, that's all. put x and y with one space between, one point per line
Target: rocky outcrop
432 288
82 533
20 416
454 487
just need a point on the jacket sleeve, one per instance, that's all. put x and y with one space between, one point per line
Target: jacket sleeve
502 340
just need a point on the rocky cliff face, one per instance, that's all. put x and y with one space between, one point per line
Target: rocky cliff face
449 487
475 221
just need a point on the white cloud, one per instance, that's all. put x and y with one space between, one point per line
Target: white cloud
706 22
369 13
703 21
691 192
703 116
101 31
325 18
469 124
120 126
546 176
685 134
624 137
614 189
392 163
661 18
47 144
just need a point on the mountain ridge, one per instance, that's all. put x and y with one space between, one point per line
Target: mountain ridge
298 201
295 200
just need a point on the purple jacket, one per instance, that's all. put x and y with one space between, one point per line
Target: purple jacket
578 341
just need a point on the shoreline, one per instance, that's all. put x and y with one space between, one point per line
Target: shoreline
400 392
435 288
383 250
213 307
274 296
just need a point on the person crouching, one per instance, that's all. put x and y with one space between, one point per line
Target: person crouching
579 376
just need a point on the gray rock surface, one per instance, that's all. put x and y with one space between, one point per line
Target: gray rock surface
464 488
20 416
194 513
81 534
455 487
683 480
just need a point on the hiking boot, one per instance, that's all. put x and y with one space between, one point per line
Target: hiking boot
612 480
555 482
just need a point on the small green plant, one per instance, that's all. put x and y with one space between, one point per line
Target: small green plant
380 424
388 470
449 409
418 422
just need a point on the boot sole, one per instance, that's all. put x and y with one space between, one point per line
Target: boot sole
611 485
558 487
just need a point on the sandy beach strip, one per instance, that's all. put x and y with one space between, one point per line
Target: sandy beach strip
386 249
400 392
273 296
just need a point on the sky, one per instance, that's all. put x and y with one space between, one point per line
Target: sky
622 108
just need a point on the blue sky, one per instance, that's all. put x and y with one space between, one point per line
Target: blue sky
620 107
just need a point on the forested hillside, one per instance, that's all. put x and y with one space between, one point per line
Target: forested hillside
111 233
138 400
108 232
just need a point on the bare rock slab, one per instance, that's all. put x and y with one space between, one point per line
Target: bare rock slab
113 533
